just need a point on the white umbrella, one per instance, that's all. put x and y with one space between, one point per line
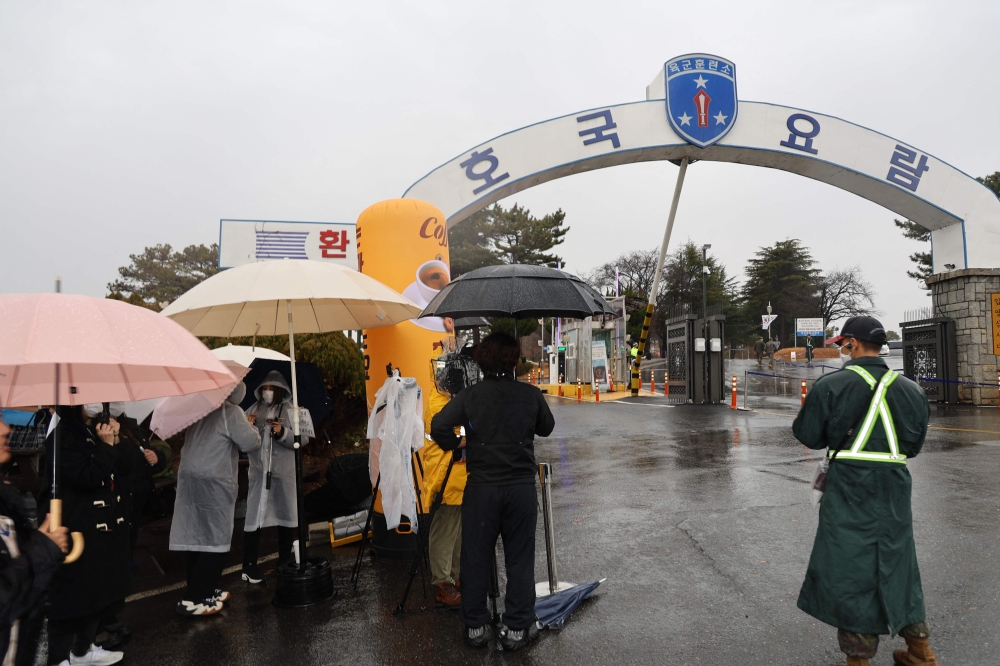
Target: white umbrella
252 300
245 355
313 296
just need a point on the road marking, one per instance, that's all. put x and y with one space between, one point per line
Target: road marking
638 404
176 586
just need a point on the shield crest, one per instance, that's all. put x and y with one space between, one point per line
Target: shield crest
701 97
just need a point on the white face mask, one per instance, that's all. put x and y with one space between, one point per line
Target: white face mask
93 409
845 354
267 395
116 409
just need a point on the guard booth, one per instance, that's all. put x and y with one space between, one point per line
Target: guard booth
694 361
930 355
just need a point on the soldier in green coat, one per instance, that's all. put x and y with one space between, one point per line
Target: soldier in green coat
863 576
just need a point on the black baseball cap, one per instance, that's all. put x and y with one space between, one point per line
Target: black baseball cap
868 329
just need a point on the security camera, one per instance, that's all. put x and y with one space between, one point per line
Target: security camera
706 270
950 267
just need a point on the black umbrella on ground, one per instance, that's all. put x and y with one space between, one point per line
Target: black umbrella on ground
554 609
519 291
312 390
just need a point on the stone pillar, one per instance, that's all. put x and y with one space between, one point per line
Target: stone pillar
964 295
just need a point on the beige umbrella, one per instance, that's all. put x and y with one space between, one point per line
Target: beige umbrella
312 296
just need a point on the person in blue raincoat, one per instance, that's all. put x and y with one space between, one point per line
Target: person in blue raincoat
863 576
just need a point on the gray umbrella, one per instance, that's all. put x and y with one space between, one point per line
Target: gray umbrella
520 291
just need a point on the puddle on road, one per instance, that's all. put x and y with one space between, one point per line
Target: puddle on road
703 449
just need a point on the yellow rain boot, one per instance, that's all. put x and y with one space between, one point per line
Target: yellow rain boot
918 653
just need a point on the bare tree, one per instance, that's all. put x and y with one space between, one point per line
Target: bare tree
636 270
844 292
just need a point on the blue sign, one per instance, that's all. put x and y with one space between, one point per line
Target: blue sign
701 97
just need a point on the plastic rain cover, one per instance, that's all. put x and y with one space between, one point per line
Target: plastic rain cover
395 431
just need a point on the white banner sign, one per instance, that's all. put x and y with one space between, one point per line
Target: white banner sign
246 241
766 321
599 362
809 326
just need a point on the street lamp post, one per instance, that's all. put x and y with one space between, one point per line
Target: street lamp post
704 313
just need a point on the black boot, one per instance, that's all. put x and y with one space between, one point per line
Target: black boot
251 548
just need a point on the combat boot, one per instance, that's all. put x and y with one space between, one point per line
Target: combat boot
918 653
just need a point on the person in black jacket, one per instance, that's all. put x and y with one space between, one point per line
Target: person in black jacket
95 586
501 417
28 559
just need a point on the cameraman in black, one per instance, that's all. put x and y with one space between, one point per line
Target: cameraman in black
501 417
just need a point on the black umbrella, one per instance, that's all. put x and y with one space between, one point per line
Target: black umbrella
312 390
553 610
466 323
519 291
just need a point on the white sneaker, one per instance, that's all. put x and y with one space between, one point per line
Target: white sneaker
96 655
203 607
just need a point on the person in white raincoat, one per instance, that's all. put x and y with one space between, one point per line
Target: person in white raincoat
272 414
206 499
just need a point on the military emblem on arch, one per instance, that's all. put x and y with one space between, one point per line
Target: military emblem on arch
701 97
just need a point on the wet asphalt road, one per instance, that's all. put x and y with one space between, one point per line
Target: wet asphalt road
700 519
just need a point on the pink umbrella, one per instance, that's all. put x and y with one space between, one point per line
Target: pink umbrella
178 412
70 350
106 351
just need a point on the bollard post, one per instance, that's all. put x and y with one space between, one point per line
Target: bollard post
746 387
803 392
560 386
998 390
597 393
545 478
652 382
640 380
579 390
666 384
733 406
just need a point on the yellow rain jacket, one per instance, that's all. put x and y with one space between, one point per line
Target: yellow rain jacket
436 459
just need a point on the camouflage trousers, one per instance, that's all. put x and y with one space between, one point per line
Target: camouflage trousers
864 646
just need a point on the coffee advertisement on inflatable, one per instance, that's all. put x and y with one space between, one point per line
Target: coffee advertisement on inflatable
404 244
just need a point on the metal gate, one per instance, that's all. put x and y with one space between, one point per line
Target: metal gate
929 351
680 356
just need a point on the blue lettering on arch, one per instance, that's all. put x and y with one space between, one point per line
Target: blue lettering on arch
905 169
487 175
599 132
795 134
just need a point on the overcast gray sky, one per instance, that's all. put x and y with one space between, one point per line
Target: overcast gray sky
126 124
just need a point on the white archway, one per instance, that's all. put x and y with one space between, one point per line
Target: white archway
962 214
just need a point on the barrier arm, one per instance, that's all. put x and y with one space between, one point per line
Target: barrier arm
651 305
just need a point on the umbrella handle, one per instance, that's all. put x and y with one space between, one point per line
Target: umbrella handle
55 522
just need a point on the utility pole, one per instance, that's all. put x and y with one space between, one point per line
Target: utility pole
704 313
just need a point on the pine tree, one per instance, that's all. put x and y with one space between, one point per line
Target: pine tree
160 275
782 275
